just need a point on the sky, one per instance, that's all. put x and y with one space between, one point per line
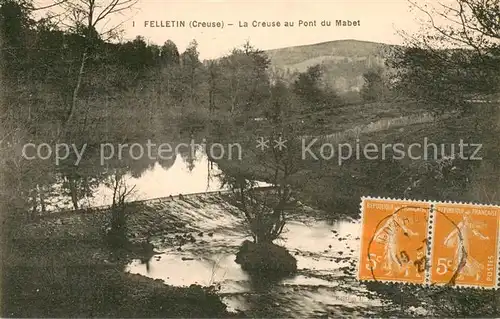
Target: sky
379 22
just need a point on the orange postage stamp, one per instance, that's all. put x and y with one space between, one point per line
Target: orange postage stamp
465 245
393 240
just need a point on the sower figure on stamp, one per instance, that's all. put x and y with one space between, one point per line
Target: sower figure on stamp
391 229
467 229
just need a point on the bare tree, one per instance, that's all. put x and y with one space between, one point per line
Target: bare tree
454 59
121 193
85 16
267 211
263 210
464 23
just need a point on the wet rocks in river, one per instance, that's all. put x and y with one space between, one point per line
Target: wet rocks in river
265 258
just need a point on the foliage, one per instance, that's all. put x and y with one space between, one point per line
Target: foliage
448 64
314 96
266 260
444 79
375 87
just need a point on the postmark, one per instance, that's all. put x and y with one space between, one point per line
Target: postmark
394 240
465 245
431 243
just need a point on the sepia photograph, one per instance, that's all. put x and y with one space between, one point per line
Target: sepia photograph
249 159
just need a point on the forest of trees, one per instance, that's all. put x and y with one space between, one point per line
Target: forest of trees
73 85
67 76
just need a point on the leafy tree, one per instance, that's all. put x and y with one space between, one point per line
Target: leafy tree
443 79
314 95
15 21
243 87
137 54
169 54
267 213
190 66
448 64
307 84
374 88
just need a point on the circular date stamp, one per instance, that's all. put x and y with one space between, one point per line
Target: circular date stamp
394 240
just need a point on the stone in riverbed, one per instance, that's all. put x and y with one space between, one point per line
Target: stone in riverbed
265 258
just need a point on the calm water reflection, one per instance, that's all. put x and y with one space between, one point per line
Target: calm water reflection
159 181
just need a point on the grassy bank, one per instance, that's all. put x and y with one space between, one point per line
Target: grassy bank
336 189
62 266
442 301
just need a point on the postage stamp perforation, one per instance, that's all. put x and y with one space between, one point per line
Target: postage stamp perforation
469 213
430 235
370 260
497 282
364 198
361 252
463 287
464 204
479 205
392 282
360 256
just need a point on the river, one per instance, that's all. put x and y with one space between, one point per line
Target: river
325 284
327 253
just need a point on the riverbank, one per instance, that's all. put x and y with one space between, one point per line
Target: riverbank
93 290
62 266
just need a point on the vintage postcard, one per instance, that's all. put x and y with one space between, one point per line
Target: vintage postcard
249 159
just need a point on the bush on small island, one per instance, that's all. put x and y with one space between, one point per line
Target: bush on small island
266 258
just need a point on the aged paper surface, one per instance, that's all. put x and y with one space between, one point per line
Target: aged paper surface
249 158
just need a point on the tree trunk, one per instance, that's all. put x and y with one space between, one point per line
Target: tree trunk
77 89
42 198
73 190
34 205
